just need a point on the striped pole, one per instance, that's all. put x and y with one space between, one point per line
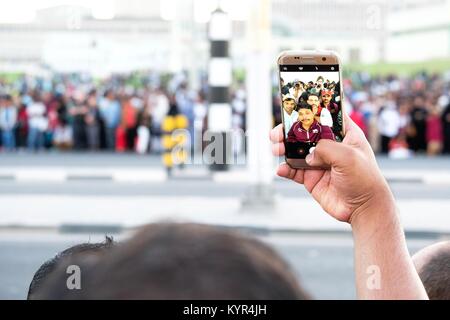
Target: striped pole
219 81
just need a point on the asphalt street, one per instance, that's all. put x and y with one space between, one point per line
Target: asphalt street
323 262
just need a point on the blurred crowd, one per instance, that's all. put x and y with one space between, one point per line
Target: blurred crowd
401 116
76 112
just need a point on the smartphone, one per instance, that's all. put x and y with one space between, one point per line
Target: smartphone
311 102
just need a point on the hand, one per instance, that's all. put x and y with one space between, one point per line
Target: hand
353 184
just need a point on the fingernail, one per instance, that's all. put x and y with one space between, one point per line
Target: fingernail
308 158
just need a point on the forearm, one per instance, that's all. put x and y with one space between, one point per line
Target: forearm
383 266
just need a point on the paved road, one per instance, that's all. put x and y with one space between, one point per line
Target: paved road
323 263
195 187
126 159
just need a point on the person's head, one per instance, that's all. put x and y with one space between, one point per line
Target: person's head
326 96
433 266
305 114
8 100
109 94
419 101
289 104
313 100
183 261
320 80
45 270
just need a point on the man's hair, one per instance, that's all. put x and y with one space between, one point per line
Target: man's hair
183 261
46 269
303 105
312 94
433 264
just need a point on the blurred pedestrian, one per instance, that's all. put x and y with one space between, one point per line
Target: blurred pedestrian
418 141
92 121
110 111
37 123
78 111
445 120
434 134
129 122
388 125
8 121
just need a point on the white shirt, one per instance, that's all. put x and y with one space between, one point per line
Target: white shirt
325 118
289 120
389 122
36 116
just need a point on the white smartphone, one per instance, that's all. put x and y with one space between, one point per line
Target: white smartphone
311 102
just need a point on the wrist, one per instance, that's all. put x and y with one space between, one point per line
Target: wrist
375 212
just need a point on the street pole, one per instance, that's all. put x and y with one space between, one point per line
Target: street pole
219 80
260 195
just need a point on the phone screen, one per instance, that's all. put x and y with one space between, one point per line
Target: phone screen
311 106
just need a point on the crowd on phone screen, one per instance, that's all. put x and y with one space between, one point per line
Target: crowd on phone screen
311 111
401 116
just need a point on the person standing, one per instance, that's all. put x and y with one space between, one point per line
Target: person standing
419 115
37 123
445 120
290 116
434 133
92 119
110 111
388 125
8 120
129 123
78 112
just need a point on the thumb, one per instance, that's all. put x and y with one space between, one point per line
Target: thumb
330 153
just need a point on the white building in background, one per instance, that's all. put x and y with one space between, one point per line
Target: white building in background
163 34
418 30
69 38
356 29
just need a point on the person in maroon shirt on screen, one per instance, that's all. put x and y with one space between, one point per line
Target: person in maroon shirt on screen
307 129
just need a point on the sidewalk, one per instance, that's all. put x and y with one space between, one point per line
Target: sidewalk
61 167
159 174
131 211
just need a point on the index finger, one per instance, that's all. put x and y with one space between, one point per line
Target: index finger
276 134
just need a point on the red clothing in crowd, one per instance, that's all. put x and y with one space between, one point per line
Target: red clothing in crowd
358 118
434 129
332 107
314 134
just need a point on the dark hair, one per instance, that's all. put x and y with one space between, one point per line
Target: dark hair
312 94
46 269
183 261
435 273
303 105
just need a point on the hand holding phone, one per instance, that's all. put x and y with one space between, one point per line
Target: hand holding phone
352 181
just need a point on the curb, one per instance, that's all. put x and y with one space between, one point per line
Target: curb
254 230
121 175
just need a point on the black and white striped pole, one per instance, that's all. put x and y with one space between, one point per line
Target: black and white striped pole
219 81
